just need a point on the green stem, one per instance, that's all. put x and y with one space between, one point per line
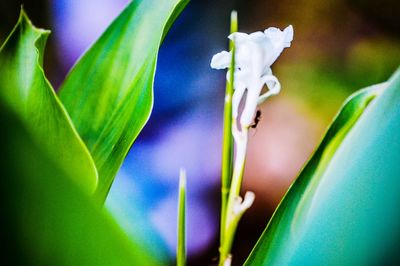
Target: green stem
232 219
227 145
181 247
230 235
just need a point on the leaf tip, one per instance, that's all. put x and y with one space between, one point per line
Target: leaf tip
24 18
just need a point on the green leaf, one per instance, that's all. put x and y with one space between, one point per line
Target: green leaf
343 209
46 218
25 89
109 92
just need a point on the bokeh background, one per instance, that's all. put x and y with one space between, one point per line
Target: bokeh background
339 46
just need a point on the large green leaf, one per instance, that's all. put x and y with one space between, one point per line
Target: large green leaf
344 208
46 218
25 90
109 92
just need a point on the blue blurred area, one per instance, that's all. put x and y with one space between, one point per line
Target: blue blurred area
183 74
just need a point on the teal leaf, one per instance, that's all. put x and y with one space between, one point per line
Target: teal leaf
46 218
109 92
344 208
25 89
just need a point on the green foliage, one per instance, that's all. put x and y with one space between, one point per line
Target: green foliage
47 219
343 209
109 92
48 172
25 89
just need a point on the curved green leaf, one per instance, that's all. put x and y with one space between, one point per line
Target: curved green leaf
46 218
25 89
343 209
109 92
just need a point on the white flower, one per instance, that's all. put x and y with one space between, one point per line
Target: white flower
255 53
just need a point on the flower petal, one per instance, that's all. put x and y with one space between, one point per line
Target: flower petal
275 35
250 107
272 83
221 60
258 37
238 37
274 87
279 40
288 31
240 87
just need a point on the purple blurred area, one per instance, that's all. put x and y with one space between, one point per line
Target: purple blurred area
339 47
77 24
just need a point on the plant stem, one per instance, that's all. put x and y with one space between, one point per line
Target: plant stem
181 247
232 217
227 145
233 206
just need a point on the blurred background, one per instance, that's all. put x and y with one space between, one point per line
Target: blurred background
339 46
